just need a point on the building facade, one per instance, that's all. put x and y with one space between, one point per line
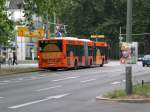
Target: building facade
25 44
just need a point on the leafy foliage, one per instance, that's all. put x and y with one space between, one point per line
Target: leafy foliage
6 26
42 8
139 92
86 17
141 24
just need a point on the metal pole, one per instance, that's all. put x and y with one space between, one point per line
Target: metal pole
54 21
46 24
129 21
120 32
120 37
128 80
46 27
0 51
65 29
0 57
21 50
129 39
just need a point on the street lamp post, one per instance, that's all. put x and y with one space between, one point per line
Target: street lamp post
129 39
0 57
129 21
54 22
46 26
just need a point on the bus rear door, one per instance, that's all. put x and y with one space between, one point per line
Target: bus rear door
51 54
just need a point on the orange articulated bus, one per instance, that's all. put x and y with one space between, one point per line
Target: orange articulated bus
69 52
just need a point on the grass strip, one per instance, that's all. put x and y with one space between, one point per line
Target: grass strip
139 91
10 71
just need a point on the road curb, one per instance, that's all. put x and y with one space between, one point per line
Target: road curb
144 100
19 72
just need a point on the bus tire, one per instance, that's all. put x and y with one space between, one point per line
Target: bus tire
101 65
90 62
143 65
75 64
53 69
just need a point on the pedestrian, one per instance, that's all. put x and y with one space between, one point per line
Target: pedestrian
4 59
9 59
14 59
32 54
58 34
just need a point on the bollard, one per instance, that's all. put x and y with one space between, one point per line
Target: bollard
128 80
142 83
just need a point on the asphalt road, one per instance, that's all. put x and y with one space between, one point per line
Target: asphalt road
69 91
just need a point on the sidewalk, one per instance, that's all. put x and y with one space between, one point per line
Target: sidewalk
21 67
21 64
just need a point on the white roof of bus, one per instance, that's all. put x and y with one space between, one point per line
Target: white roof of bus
70 38
87 40
73 38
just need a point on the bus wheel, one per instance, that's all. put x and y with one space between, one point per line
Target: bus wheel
101 65
91 62
75 65
53 69
143 65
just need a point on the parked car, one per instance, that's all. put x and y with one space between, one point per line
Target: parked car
140 57
146 60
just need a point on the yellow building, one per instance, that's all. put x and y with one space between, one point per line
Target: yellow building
27 42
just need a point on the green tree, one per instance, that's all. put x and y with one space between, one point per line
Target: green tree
42 8
6 26
86 17
141 24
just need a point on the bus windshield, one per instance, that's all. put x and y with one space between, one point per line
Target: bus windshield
50 46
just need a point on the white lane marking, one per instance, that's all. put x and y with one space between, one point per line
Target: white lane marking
109 71
42 75
20 79
124 80
38 101
116 82
33 78
44 89
65 78
88 80
3 83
